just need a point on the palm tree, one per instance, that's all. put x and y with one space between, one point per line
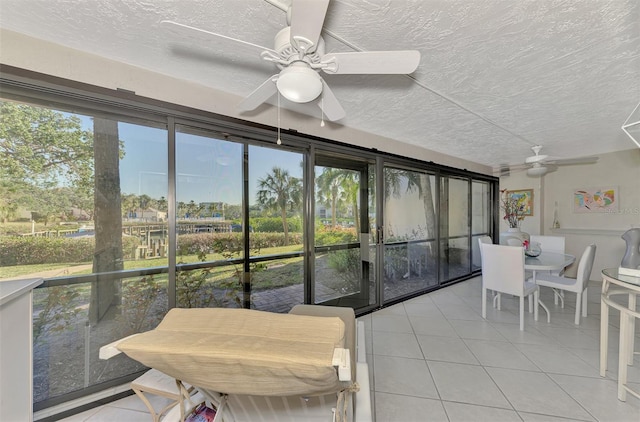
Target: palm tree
351 185
331 189
192 209
129 203
182 209
419 181
279 191
162 204
144 201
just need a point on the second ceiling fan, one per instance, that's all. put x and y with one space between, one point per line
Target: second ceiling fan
299 53
538 164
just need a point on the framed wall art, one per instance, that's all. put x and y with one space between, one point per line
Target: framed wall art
526 196
595 200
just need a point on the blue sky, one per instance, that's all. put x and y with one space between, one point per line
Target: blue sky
209 169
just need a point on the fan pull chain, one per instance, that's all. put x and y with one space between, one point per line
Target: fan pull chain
279 141
322 111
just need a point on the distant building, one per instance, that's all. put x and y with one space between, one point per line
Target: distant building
148 214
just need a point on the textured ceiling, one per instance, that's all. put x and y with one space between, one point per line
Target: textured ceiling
495 78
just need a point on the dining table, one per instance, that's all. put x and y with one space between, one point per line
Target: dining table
547 261
618 285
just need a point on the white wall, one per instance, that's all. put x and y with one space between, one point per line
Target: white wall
29 53
619 169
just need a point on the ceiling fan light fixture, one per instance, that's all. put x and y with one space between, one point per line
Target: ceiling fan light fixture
537 171
299 83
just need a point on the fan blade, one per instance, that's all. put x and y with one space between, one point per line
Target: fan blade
279 4
307 18
573 161
535 158
372 62
260 94
330 105
202 35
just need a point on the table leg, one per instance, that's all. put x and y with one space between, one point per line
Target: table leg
631 328
541 303
604 329
622 357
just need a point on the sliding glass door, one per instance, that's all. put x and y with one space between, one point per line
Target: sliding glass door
344 245
455 227
410 231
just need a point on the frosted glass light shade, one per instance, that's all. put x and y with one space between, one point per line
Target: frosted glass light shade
536 171
299 83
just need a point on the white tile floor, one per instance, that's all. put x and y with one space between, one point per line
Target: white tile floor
433 358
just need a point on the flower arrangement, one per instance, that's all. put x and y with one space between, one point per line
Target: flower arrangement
514 208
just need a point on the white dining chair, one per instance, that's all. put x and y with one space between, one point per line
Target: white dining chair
487 241
553 244
549 243
576 285
503 272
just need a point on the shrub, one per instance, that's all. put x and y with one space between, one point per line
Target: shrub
138 298
193 244
336 235
274 224
30 250
348 266
58 311
42 250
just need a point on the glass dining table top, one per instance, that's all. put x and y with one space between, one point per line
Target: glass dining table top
548 261
613 273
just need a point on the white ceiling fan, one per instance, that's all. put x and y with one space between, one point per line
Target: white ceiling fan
538 164
299 53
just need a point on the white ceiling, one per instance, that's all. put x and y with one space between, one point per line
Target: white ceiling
495 78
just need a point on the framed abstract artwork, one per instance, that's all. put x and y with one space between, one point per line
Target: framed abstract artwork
595 200
526 196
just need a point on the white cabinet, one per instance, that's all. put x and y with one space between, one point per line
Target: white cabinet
16 349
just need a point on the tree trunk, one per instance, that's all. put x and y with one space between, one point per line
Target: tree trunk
334 206
285 226
427 199
356 213
105 292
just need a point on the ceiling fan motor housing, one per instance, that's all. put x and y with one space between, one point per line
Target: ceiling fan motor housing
282 44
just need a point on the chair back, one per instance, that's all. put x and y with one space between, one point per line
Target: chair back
514 241
585 265
483 240
503 268
549 243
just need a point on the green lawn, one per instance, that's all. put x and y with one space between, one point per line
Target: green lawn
270 274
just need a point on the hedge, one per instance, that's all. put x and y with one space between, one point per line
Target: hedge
205 242
29 250
274 224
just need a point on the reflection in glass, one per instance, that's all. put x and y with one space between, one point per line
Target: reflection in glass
454 227
83 193
480 218
342 271
209 219
410 230
66 345
276 203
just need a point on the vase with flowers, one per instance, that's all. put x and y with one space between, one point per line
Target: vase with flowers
514 209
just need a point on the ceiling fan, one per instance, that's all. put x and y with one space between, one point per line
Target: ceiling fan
538 164
299 53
